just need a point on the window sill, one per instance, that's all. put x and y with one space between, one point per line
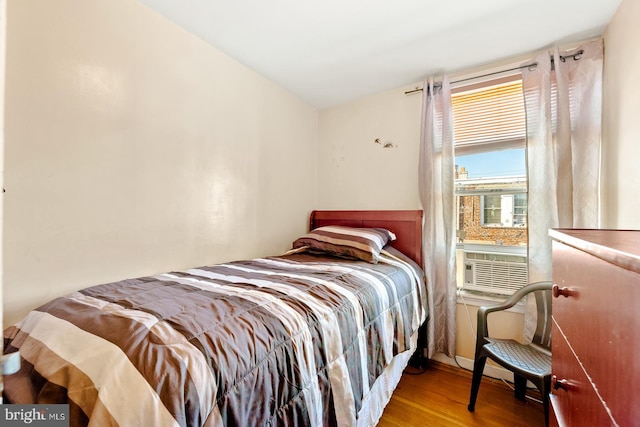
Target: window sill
478 300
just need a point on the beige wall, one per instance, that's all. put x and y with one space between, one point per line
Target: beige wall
357 173
507 324
621 126
134 148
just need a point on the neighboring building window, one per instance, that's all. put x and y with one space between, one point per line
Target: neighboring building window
493 212
504 210
491 186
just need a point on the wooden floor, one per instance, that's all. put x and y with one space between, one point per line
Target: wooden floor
439 397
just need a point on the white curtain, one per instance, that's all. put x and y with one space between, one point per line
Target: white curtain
563 101
437 196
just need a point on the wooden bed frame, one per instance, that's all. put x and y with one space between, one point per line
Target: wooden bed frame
405 224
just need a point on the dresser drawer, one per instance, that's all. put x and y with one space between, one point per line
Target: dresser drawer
577 403
601 322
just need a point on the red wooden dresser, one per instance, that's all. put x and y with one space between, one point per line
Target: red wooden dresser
596 328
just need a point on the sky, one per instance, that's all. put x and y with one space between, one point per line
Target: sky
494 164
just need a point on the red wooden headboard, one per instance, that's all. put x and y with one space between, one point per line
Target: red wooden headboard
406 224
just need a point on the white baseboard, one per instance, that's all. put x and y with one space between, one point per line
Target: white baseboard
490 369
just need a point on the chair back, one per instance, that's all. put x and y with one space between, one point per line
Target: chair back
542 336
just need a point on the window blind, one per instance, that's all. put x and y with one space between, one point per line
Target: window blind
489 118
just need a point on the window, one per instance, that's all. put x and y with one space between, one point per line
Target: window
504 210
491 186
519 215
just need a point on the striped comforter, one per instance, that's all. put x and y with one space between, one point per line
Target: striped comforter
292 340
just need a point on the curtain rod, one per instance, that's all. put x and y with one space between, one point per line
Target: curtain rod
576 56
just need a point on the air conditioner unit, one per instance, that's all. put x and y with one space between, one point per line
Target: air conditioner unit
494 273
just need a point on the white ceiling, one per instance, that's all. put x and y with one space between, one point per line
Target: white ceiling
332 51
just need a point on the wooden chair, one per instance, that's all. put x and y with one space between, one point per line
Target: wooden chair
530 362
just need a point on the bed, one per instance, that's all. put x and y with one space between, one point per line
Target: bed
317 336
